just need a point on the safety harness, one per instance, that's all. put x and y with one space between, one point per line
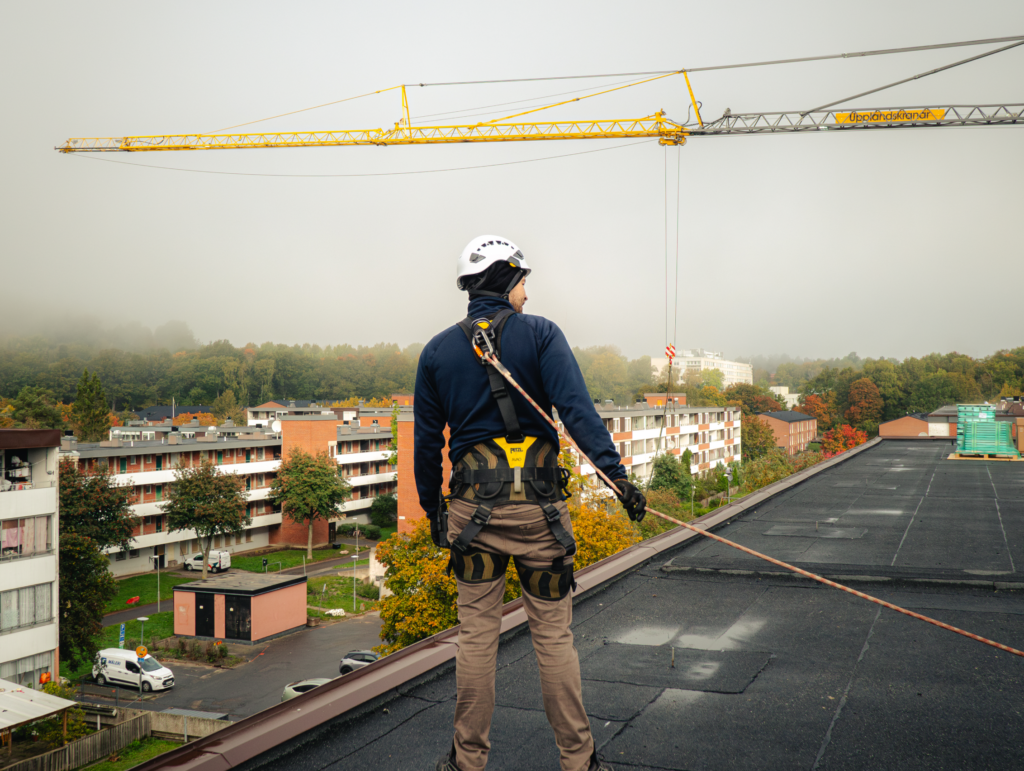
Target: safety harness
512 469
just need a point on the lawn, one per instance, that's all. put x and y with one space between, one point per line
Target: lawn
160 625
144 587
289 558
338 594
136 753
387 532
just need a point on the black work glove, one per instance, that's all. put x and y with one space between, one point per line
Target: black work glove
632 499
439 530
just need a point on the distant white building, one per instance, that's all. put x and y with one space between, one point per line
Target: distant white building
698 359
28 555
782 393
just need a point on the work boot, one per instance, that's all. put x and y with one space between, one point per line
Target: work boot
447 762
598 765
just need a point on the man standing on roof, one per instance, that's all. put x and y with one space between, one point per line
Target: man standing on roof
507 496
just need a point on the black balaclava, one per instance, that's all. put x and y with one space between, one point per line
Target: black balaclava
497 281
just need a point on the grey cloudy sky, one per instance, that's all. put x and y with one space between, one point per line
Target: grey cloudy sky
890 243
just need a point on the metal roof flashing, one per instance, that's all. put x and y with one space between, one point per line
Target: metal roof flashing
253 741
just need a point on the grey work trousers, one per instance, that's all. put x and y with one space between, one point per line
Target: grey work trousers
521 531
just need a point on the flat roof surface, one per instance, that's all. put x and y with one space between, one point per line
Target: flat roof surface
771 672
241 583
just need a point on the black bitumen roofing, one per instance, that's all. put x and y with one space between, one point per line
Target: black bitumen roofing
789 416
771 671
241 583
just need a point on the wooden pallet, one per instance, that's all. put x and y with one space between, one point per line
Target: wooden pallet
988 456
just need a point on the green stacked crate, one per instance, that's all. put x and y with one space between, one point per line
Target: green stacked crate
978 433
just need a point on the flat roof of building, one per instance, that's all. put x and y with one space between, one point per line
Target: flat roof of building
770 671
241 583
184 444
28 438
789 416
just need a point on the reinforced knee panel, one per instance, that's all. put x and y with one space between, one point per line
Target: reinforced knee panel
554 583
477 567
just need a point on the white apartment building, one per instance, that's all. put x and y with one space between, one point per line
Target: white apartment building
28 555
782 394
144 457
642 431
699 359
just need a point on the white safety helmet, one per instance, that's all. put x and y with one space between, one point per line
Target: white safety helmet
483 252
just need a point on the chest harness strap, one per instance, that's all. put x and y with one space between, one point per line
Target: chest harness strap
517 468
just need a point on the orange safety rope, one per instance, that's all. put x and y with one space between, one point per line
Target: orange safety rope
508 376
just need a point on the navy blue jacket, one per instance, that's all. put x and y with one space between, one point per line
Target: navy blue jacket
452 388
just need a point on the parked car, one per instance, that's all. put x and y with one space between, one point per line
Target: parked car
219 561
356 660
114 665
300 687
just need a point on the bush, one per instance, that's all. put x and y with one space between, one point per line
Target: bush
384 510
369 591
370 532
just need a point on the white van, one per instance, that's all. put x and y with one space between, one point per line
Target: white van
114 665
219 561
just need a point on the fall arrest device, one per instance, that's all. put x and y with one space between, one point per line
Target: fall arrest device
510 469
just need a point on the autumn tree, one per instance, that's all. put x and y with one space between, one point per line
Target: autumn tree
865 403
752 398
757 437
309 487
226 407
90 413
92 505
207 501
713 377
840 439
817 407
85 587
204 418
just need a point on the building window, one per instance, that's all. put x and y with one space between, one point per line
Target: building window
27 606
261 453
133 459
27 671
120 556
132 554
149 489
25 537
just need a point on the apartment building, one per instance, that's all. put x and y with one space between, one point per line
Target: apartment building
696 360
782 394
640 432
28 555
793 430
265 414
144 457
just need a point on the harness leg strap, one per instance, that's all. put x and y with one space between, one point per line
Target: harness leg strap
476 523
554 518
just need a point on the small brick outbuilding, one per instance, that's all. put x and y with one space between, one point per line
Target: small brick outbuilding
242 607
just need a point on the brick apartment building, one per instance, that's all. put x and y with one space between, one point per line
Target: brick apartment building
145 456
711 434
793 430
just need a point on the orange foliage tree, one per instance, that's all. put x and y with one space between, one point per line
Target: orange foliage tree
204 418
818 408
840 439
865 402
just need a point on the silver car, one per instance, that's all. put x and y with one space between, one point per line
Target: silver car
300 687
356 660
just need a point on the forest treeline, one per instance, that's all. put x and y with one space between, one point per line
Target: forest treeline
138 367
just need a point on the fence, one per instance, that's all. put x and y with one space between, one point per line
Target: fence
90 749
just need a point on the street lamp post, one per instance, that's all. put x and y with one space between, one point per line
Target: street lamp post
142 642
156 561
355 559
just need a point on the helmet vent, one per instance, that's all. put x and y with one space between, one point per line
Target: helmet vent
475 257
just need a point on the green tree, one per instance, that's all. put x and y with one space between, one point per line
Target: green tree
92 505
36 408
757 437
85 588
206 501
226 407
713 377
384 510
91 414
672 475
752 398
309 487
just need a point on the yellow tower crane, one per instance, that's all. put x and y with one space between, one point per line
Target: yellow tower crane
655 126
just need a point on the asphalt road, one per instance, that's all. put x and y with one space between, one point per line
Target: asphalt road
250 688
